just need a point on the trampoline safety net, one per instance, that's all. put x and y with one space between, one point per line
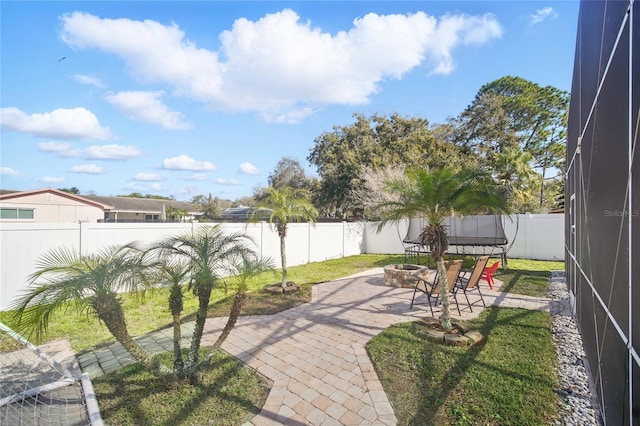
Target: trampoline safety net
468 235
37 390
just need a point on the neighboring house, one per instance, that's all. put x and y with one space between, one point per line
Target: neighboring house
242 213
49 205
128 209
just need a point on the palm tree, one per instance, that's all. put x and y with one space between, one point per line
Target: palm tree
173 273
244 269
514 173
210 254
435 194
286 205
88 283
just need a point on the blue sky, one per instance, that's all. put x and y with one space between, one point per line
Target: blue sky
187 98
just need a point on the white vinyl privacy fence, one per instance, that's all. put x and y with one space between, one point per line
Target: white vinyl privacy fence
536 237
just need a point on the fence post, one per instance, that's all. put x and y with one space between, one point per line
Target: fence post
261 237
80 236
344 224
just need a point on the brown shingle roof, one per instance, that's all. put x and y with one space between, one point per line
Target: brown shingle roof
146 205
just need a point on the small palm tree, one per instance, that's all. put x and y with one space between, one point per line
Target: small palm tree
88 283
244 269
174 274
286 205
436 194
209 253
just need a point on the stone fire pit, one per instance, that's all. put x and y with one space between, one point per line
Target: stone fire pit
401 275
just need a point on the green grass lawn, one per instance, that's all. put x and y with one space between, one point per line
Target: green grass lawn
228 393
528 277
506 380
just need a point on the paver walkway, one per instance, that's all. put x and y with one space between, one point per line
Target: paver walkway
315 353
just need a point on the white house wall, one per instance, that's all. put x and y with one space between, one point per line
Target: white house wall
539 237
49 208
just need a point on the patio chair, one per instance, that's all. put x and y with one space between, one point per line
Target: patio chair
488 272
432 289
466 284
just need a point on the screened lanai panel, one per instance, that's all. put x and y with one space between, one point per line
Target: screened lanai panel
614 366
606 160
605 361
603 187
636 379
635 197
586 79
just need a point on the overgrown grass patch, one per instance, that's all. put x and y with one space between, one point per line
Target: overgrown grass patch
507 379
228 393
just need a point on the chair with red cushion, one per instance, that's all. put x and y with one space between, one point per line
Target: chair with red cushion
488 272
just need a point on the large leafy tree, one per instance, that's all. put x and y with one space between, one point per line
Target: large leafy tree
285 205
211 206
340 155
435 194
210 253
512 113
73 190
290 173
66 279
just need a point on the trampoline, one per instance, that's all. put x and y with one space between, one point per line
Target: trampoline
468 236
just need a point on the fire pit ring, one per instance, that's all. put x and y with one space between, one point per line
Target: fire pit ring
401 275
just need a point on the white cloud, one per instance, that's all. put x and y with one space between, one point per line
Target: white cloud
49 179
8 171
147 177
89 80
74 123
454 30
196 176
144 187
94 152
249 169
111 152
59 149
542 14
90 169
147 108
184 162
221 181
279 67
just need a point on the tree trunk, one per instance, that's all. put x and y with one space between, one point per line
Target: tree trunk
109 310
175 303
118 328
445 318
238 302
283 256
544 171
204 295
178 364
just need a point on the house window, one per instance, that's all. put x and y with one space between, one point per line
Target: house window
23 214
